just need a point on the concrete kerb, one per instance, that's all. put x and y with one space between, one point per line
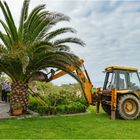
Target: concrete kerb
5 115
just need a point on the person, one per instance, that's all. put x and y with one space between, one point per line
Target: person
134 86
0 92
5 90
35 89
8 89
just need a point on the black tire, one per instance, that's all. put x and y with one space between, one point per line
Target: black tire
106 108
128 107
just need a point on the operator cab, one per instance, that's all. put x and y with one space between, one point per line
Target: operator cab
121 78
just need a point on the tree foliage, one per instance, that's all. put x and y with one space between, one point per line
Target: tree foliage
33 45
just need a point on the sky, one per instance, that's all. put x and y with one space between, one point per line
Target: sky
110 29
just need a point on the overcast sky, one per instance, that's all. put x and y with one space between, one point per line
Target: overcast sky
110 29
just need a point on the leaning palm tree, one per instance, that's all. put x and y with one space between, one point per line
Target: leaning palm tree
33 46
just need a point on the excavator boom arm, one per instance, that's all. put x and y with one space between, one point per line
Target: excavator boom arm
83 76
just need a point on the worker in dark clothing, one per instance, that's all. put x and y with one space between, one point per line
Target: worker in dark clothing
5 90
0 92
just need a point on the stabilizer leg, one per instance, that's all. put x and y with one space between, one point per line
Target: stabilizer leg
113 104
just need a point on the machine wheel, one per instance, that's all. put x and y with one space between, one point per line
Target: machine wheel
106 108
128 107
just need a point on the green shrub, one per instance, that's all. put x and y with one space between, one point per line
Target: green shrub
61 109
58 105
41 110
61 101
33 104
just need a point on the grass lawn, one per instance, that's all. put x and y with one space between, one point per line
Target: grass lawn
70 127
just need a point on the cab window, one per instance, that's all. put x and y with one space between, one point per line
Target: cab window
111 81
122 80
134 81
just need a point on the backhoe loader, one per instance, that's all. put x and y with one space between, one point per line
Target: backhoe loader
120 95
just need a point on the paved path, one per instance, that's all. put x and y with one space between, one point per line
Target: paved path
4 110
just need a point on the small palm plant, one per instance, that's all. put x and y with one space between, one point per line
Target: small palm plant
17 106
17 109
31 47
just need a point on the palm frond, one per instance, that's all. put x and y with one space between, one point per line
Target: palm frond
23 17
9 20
47 46
9 66
33 20
4 39
58 17
33 14
63 47
57 32
69 40
37 19
59 65
44 22
39 60
39 28
6 30
4 69
3 50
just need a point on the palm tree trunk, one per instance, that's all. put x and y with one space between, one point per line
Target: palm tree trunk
19 94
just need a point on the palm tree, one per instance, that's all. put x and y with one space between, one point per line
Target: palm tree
33 46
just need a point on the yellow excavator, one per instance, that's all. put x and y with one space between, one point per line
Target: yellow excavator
120 95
